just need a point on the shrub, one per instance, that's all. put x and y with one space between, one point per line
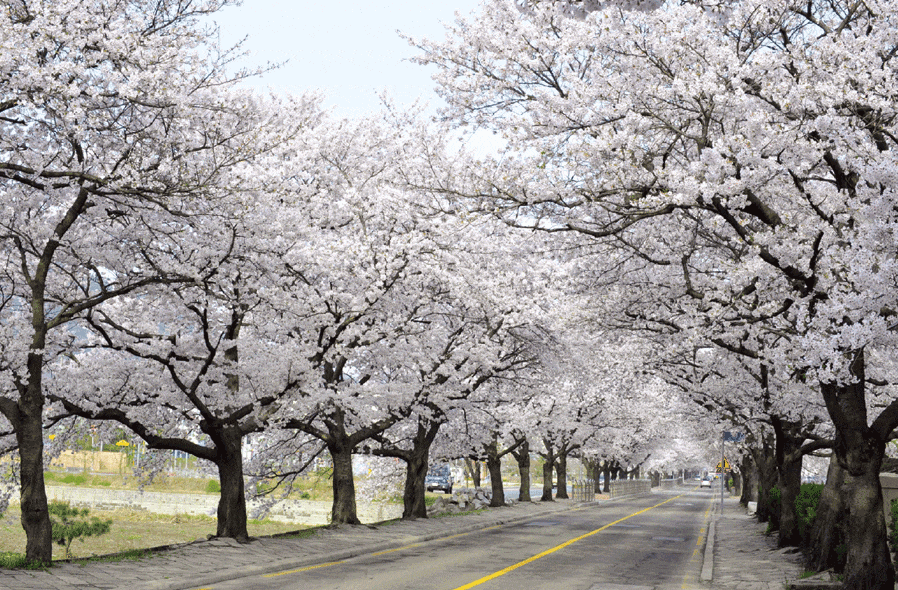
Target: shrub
213 487
70 523
806 508
893 527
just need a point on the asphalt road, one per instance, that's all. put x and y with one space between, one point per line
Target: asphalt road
641 543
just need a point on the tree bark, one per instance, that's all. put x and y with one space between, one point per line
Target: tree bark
343 510
413 505
547 483
606 472
232 502
749 480
417 462
494 466
473 468
765 461
561 471
788 459
522 456
29 436
859 449
548 468
828 531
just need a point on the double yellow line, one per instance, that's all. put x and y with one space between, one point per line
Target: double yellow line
511 568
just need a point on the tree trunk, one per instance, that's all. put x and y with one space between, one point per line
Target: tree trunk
547 482
789 459
473 468
413 505
417 462
343 510
29 436
522 455
561 470
606 472
749 480
232 502
828 531
548 468
494 466
737 482
859 451
765 461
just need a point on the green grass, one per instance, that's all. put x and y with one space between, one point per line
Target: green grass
133 532
10 560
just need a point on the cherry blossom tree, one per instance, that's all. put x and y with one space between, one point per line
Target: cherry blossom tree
120 130
745 146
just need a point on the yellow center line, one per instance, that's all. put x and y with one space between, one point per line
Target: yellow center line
302 569
396 549
556 548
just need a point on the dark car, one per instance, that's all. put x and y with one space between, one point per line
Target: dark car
439 478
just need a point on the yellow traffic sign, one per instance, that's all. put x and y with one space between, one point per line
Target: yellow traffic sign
726 466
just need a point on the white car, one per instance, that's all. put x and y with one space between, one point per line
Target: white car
706 482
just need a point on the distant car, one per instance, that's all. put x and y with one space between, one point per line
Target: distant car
439 478
706 482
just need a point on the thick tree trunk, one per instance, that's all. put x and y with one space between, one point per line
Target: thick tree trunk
789 459
547 482
417 462
343 510
606 473
232 502
828 531
749 480
494 466
561 471
29 436
522 455
859 451
548 469
473 468
416 466
765 460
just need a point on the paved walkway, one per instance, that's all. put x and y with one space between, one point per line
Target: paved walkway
743 558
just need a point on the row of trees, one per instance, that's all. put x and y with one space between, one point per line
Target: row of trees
201 264
723 173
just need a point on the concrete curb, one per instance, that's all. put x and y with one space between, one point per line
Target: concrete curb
289 564
708 560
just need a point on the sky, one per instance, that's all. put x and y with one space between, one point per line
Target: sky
351 49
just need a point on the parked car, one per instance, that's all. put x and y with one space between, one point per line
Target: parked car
438 478
706 482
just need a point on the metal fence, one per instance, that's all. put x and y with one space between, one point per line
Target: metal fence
583 490
627 487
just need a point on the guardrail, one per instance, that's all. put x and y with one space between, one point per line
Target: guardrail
629 487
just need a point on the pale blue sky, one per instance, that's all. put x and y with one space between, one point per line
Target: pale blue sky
349 49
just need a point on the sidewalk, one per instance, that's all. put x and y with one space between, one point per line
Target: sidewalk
744 557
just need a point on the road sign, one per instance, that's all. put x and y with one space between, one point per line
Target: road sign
726 466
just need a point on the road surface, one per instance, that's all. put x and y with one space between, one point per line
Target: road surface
650 542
